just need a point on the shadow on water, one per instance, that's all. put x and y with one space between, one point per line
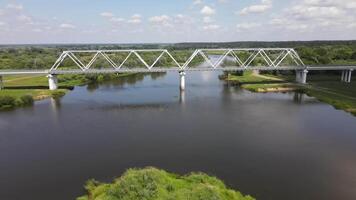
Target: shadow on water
124 81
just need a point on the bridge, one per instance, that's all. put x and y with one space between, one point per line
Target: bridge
239 59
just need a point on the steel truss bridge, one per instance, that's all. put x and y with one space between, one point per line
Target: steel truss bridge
272 59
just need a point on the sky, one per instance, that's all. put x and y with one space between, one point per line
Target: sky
170 21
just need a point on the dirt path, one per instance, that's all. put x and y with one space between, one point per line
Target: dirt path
268 77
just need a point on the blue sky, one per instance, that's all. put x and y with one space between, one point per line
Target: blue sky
136 21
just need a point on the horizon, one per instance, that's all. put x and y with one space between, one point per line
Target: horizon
174 43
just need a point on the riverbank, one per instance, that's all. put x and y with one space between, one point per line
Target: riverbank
154 184
260 83
22 91
326 88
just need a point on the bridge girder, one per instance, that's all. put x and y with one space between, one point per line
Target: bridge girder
254 54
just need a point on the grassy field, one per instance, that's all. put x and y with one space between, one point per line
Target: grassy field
23 90
326 88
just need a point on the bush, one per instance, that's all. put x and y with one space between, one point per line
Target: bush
27 100
154 184
58 94
7 102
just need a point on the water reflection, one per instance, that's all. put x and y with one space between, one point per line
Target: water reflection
299 97
182 97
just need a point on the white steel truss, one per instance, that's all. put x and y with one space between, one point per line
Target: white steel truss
254 53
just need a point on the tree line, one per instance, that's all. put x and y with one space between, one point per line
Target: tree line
44 56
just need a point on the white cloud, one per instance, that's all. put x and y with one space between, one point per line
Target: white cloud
197 2
246 26
117 19
211 27
223 1
208 20
258 8
15 6
206 10
162 20
135 19
25 19
107 14
67 26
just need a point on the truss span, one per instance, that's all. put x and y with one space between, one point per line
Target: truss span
210 59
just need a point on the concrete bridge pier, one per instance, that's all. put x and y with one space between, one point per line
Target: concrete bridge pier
1 83
52 81
301 76
346 76
182 80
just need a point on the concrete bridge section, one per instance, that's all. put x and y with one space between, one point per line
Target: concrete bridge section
272 58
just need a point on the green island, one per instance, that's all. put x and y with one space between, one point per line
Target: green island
325 87
155 184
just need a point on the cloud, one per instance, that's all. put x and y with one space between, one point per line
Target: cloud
309 15
206 10
162 20
211 27
258 8
223 1
135 19
117 19
67 26
107 14
197 2
246 26
15 6
208 20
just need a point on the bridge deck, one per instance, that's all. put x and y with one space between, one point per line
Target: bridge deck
169 69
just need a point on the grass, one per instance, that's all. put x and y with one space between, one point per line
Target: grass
154 184
20 89
260 83
325 87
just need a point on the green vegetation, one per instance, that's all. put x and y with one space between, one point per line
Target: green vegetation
23 90
44 56
259 83
340 95
325 87
154 184
25 97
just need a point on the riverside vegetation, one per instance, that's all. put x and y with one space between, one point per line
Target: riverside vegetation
154 184
325 87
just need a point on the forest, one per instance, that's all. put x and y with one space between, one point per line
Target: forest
43 56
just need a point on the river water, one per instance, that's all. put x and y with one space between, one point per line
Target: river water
271 146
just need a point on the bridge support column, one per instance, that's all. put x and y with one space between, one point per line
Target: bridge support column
52 82
349 77
301 76
182 80
1 83
346 76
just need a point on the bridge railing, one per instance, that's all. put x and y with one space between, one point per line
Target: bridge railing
272 57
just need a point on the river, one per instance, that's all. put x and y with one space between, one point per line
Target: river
271 146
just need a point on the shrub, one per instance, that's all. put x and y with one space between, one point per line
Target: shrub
7 102
154 184
58 94
27 100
